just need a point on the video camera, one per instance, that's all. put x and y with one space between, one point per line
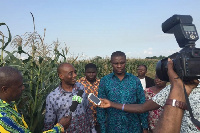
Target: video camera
187 60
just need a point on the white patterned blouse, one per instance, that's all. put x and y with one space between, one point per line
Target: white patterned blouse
187 126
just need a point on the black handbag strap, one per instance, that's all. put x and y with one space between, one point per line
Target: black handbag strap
194 121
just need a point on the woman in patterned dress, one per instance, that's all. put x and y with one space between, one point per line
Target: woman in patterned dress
149 93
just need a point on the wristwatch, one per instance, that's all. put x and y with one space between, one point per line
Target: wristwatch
175 103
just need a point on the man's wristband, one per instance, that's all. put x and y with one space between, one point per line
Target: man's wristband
123 107
175 103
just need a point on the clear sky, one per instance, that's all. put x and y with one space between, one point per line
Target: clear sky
99 27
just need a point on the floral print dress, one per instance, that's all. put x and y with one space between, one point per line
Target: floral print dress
154 114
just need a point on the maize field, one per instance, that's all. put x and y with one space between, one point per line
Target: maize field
39 70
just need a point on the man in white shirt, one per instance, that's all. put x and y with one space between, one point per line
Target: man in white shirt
145 80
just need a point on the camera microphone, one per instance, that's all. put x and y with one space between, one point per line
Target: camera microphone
75 103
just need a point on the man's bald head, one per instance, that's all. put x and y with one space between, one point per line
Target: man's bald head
8 75
67 74
61 66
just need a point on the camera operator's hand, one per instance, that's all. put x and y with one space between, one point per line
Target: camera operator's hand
171 118
177 83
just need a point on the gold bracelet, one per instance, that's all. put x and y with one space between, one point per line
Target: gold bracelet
61 127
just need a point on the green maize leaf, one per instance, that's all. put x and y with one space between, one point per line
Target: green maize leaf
40 105
9 38
40 59
20 51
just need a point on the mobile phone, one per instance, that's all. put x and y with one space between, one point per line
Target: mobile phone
94 99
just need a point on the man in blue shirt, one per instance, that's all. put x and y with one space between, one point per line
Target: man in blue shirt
124 88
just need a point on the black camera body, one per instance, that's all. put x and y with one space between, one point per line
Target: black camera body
187 60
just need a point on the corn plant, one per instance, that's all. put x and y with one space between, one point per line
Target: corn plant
40 77
39 71
4 44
